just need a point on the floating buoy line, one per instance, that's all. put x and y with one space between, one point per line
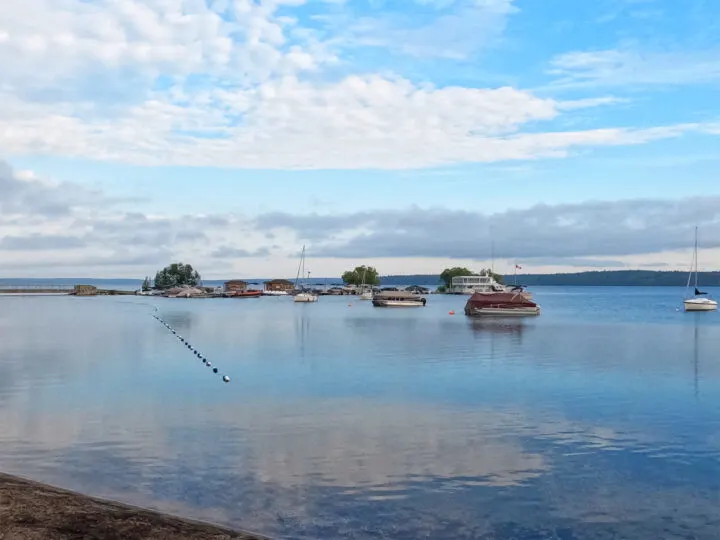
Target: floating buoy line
192 349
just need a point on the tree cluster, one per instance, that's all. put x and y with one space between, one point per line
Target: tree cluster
176 275
361 274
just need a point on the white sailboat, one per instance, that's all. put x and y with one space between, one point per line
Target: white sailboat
303 296
700 301
365 294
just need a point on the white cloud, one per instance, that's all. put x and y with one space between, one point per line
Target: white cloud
618 67
459 29
359 122
188 82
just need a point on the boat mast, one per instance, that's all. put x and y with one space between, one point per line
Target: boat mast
300 267
696 257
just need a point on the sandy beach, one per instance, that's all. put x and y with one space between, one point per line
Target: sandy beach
34 511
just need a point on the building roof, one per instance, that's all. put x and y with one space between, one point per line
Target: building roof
279 281
236 282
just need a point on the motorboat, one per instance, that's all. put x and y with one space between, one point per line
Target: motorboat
367 295
500 304
398 299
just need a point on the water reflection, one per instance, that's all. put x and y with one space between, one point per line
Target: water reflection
361 423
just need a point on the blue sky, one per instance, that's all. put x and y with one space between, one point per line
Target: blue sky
178 126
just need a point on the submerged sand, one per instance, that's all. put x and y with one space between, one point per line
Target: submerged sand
33 511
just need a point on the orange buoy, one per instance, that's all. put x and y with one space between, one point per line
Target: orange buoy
451 313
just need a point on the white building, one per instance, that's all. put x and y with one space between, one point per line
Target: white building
473 284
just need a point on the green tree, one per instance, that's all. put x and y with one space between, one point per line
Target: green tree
361 274
176 275
146 286
449 273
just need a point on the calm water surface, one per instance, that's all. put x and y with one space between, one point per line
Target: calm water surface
598 419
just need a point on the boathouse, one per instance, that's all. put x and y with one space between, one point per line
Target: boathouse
235 286
283 285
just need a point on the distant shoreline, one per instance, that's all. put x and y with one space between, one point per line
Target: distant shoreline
28 508
609 278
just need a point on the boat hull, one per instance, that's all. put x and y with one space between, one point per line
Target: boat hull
275 293
703 304
502 312
398 303
366 296
246 294
501 304
304 298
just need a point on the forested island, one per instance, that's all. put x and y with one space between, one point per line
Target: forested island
616 278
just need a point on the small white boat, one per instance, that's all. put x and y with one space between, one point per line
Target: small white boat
305 297
275 293
367 295
700 304
398 299
700 301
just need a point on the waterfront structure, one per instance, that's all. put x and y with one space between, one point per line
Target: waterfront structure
235 286
473 284
279 285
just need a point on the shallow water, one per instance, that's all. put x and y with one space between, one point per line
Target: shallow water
598 419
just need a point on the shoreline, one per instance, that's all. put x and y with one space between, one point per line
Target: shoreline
32 510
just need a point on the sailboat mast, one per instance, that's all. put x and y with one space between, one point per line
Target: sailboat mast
301 268
696 257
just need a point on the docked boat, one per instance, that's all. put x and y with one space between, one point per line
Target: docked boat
304 295
244 294
398 299
505 304
700 301
366 292
275 293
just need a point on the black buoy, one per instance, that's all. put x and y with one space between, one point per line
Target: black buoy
215 370
226 378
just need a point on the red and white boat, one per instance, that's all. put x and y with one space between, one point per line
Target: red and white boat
505 303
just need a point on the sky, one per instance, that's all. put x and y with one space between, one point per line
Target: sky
410 135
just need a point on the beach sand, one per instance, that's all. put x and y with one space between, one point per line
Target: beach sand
33 511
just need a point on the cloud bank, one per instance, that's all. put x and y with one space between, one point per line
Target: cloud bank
44 232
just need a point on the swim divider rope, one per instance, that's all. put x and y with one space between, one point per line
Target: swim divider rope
181 339
192 349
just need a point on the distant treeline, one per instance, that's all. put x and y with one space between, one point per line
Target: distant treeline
616 278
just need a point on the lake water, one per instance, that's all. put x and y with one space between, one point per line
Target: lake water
599 419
